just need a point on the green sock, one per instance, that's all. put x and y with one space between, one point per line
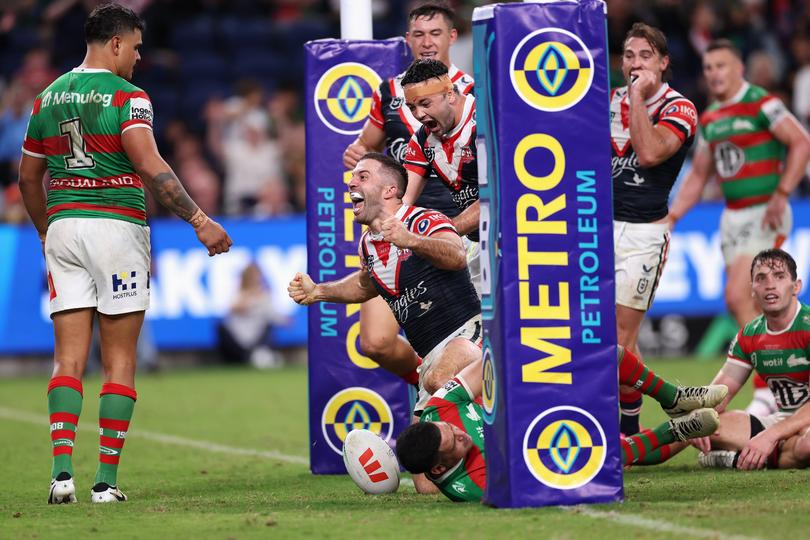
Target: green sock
64 408
633 372
114 413
641 448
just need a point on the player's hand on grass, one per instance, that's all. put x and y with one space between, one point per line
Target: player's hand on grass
774 212
755 453
213 236
394 231
353 153
302 289
701 443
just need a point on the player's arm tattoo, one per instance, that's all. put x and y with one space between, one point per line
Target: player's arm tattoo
171 194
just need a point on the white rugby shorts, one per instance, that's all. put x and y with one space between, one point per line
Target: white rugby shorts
472 330
474 263
741 232
99 263
641 253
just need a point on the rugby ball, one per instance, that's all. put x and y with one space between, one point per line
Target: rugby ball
370 462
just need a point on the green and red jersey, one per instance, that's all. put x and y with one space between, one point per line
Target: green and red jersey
747 156
76 126
453 403
781 358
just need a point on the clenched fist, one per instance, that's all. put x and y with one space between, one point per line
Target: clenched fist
394 231
302 289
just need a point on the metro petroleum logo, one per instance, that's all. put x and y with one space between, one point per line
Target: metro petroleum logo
551 69
564 447
489 386
355 408
344 95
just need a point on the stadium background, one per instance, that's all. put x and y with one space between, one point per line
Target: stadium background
226 82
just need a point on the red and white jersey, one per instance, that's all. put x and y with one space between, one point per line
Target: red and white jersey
453 157
640 194
428 303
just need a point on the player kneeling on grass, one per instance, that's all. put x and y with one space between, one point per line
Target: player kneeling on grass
448 442
777 345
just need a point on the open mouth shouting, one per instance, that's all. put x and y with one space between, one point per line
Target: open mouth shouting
358 201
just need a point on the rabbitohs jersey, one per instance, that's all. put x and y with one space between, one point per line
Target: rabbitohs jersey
76 126
428 303
453 158
389 113
454 404
641 194
781 358
747 156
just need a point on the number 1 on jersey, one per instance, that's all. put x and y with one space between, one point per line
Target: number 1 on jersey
78 157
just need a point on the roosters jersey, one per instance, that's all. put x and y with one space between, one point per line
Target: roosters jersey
454 404
452 157
781 358
640 195
389 113
428 303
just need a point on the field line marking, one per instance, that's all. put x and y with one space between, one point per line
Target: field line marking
653 524
33 418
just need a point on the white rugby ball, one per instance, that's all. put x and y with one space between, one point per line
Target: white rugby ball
370 462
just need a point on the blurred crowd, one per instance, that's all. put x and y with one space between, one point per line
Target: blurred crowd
226 77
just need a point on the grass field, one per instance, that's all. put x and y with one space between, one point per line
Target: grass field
219 453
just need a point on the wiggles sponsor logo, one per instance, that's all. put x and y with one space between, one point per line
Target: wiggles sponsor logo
551 69
355 408
344 95
564 447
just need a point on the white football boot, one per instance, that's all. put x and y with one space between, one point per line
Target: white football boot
699 423
105 493
690 398
62 490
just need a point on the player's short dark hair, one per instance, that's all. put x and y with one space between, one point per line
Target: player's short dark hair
108 20
770 256
727 44
428 10
656 39
418 447
423 70
393 168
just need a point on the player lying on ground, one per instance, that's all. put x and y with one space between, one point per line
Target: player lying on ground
448 445
777 345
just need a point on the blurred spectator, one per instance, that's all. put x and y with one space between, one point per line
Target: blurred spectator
15 109
199 178
287 115
36 71
244 332
801 83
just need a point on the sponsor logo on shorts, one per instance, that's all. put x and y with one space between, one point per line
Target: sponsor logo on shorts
564 447
124 285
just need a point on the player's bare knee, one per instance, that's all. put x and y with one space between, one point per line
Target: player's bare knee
377 346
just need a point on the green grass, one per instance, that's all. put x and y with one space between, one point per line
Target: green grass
181 492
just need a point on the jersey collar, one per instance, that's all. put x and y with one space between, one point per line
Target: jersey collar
661 91
788 327
736 98
89 70
449 471
469 103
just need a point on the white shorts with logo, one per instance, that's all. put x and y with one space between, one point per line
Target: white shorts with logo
471 330
474 263
773 419
741 231
98 263
641 253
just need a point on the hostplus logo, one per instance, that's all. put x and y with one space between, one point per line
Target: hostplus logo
124 285
551 69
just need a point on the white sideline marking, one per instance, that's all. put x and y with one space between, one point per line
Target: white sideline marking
653 524
32 418
624 519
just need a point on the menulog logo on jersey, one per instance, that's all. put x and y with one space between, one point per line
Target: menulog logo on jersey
344 95
564 447
60 98
551 69
355 408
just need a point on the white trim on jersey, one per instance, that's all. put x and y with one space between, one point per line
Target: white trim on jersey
139 125
34 154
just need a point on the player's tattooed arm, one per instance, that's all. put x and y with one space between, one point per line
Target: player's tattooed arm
170 192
